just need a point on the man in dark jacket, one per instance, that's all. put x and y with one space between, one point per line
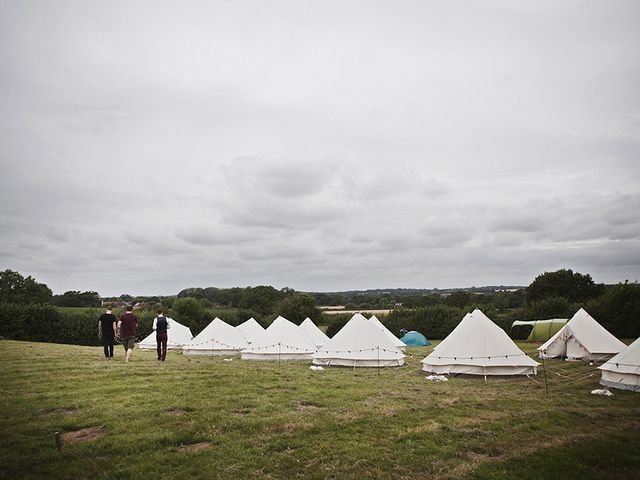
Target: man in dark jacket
161 325
107 331
127 326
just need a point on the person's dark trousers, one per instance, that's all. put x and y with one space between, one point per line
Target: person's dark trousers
161 340
107 342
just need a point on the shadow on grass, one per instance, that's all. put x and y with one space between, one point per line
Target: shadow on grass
614 457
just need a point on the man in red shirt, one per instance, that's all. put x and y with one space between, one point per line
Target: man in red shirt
127 326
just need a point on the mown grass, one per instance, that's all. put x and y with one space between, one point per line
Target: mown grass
269 420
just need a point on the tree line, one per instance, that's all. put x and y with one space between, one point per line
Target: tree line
557 294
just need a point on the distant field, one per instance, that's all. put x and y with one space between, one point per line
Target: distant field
205 418
337 311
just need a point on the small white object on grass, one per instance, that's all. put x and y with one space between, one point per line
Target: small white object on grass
437 378
602 391
316 368
228 360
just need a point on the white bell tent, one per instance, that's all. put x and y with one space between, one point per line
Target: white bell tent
316 335
582 338
360 343
623 370
217 338
251 330
282 340
177 336
477 346
395 340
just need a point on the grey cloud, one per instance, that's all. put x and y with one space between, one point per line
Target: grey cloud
266 213
248 147
281 178
213 236
623 211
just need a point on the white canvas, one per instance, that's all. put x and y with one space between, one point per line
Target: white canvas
251 330
282 340
623 370
477 346
316 335
582 338
177 336
359 344
217 338
395 340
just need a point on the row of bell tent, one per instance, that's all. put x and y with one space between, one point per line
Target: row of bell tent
477 346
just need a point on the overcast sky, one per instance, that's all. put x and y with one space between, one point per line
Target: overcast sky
146 147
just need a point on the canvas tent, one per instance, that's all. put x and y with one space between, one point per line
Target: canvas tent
582 338
623 370
177 336
415 339
395 340
542 330
316 335
283 340
251 330
217 338
359 344
477 346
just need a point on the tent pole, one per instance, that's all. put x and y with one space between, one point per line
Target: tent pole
544 371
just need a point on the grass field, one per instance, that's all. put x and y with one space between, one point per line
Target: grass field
253 420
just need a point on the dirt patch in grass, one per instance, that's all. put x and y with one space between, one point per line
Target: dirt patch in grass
284 428
304 405
195 447
175 412
83 435
60 410
428 427
241 412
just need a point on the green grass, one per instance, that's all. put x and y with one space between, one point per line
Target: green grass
266 420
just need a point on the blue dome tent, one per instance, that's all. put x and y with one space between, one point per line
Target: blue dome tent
415 339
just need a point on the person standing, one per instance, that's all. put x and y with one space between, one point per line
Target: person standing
107 331
161 325
127 326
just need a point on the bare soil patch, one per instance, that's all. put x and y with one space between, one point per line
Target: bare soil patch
195 447
176 412
61 410
83 435
304 406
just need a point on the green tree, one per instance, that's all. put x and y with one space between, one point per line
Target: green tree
262 299
618 309
14 288
552 307
74 298
575 287
192 292
459 299
167 302
188 311
298 307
